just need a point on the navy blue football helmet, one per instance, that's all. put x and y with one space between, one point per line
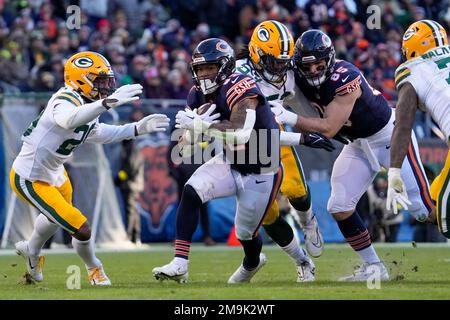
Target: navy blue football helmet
212 51
311 47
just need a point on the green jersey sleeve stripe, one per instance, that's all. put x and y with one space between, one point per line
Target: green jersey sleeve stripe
400 70
401 80
67 99
73 95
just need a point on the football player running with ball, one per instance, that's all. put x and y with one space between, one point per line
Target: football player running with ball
268 60
423 82
70 118
242 112
356 113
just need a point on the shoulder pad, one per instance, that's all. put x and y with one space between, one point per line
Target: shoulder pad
401 74
346 78
70 96
239 86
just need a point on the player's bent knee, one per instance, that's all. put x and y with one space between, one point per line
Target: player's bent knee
191 194
338 207
339 216
199 188
84 233
243 234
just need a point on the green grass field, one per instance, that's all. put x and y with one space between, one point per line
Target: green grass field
418 273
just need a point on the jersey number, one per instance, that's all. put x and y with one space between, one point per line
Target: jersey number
244 69
442 63
67 146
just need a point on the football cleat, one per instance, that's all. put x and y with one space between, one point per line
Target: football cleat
172 271
366 271
313 237
306 271
242 275
98 277
35 264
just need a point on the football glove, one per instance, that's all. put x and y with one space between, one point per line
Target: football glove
191 120
316 140
396 191
125 94
152 123
343 138
283 116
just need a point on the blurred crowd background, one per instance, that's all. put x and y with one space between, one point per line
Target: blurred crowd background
150 41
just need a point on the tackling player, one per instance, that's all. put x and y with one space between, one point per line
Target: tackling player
70 119
350 107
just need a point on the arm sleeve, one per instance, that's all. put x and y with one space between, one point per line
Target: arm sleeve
290 138
69 116
105 133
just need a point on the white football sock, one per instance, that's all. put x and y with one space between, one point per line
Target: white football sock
295 252
43 230
305 216
85 250
181 262
369 255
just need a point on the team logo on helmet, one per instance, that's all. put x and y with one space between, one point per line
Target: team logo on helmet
409 33
263 34
222 46
83 62
326 40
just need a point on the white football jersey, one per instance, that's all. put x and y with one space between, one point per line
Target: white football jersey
272 92
47 146
429 74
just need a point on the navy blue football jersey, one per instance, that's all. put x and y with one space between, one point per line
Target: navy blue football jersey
236 88
371 111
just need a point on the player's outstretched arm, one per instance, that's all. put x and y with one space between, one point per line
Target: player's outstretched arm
309 139
69 116
152 123
336 115
106 133
401 138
